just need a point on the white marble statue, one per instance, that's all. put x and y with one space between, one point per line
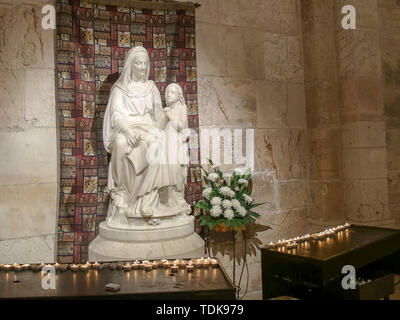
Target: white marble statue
133 113
148 217
177 131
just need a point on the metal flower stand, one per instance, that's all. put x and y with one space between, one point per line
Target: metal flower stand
207 252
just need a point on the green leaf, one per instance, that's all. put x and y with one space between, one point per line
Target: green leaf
255 205
203 223
205 171
240 194
253 214
234 181
203 205
235 224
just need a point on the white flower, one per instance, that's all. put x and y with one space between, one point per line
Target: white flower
216 201
248 199
243 181
229 214
236 204
207 193
242 211
226 191
216 211
226 204
213 177
240 171
237 188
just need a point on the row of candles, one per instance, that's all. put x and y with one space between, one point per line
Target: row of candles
172 265
294 243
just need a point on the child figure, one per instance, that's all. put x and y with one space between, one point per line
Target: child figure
177 135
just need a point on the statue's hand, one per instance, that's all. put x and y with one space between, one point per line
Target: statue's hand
167 112
133 138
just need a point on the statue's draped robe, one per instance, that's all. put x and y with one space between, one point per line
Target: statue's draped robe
178 155
132 178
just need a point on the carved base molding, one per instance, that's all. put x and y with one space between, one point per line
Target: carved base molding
158 243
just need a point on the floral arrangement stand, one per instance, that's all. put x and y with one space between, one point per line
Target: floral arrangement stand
227 204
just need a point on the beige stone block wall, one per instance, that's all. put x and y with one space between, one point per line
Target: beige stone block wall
389 26
28 135
364 149
251 75
323 111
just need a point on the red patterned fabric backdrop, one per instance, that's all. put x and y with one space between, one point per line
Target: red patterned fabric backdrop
92 40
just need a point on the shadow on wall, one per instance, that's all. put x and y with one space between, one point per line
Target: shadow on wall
102 97
222 242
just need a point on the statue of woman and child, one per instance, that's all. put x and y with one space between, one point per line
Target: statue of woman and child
145 180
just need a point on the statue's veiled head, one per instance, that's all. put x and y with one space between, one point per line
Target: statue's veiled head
136 67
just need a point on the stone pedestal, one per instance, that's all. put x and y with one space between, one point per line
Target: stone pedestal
171 238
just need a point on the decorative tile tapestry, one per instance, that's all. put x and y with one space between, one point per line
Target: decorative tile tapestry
92 40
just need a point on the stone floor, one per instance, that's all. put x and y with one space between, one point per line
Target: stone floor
257 295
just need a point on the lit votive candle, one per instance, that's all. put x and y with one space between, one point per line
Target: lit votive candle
272 245
292 245
198 263
26 266
206 263
154 264
57 266
17 267
7 267
127 267
317 236
214 263
63 267
74 267
182 264
96 265
143 264
174 268
84 267
190 267
166 264
148 267
135 265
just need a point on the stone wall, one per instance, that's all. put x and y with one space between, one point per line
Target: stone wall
28 135
389 34
364 150
251 75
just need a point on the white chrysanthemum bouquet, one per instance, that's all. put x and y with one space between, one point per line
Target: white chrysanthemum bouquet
227 201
